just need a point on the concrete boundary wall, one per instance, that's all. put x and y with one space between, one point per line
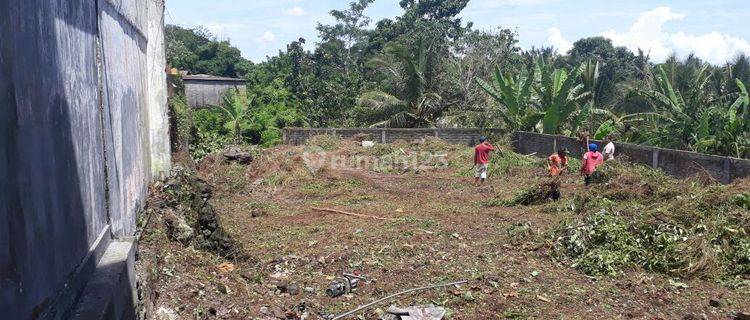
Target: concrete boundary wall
466 136
75 145
677 163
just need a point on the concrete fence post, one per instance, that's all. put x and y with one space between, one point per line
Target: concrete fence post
437 135
655 159
284 139
382 136
727 171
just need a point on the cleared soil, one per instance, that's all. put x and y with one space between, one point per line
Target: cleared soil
443 231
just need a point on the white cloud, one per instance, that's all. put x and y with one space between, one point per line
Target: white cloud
266 37
556 39
295 11
510 3
647 34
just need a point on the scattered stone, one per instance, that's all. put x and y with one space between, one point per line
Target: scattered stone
234 154
309 289
177 227
191 219
266 312
257 212
716 303
368 144
293 289
223 288
165 313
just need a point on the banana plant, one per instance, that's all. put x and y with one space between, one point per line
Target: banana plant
560 96
237 108
514 94
621 124
590 80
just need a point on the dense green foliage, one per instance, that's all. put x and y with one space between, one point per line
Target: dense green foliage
640 218
198 52
427 68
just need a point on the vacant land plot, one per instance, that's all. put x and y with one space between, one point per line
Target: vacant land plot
635 245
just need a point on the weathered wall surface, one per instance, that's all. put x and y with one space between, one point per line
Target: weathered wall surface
126 116
73 121
673 162
467 136
52 202
206 93
157 92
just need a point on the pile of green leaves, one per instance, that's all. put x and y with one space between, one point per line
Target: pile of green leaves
678 227
537 194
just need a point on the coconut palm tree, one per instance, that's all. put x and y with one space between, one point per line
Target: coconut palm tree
412 106
727 130
680 112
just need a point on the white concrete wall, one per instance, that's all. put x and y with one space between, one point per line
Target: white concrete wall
157 92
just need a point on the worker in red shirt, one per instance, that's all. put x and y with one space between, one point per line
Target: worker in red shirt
481 160
591 160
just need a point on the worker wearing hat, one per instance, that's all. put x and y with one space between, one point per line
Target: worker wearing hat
591 159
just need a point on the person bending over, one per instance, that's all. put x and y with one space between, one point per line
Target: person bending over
557 163
590 161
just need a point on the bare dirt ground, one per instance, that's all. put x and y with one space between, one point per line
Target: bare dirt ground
444 230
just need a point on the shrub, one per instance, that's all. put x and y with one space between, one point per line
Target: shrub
326 142
180 122
208 142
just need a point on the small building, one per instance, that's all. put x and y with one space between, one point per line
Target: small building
202 90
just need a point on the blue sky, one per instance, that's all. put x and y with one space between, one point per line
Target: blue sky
714 30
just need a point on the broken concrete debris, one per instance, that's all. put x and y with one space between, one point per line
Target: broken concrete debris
425 312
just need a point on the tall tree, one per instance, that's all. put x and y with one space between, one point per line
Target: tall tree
616 65
198 52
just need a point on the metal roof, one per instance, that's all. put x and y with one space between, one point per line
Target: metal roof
208 77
